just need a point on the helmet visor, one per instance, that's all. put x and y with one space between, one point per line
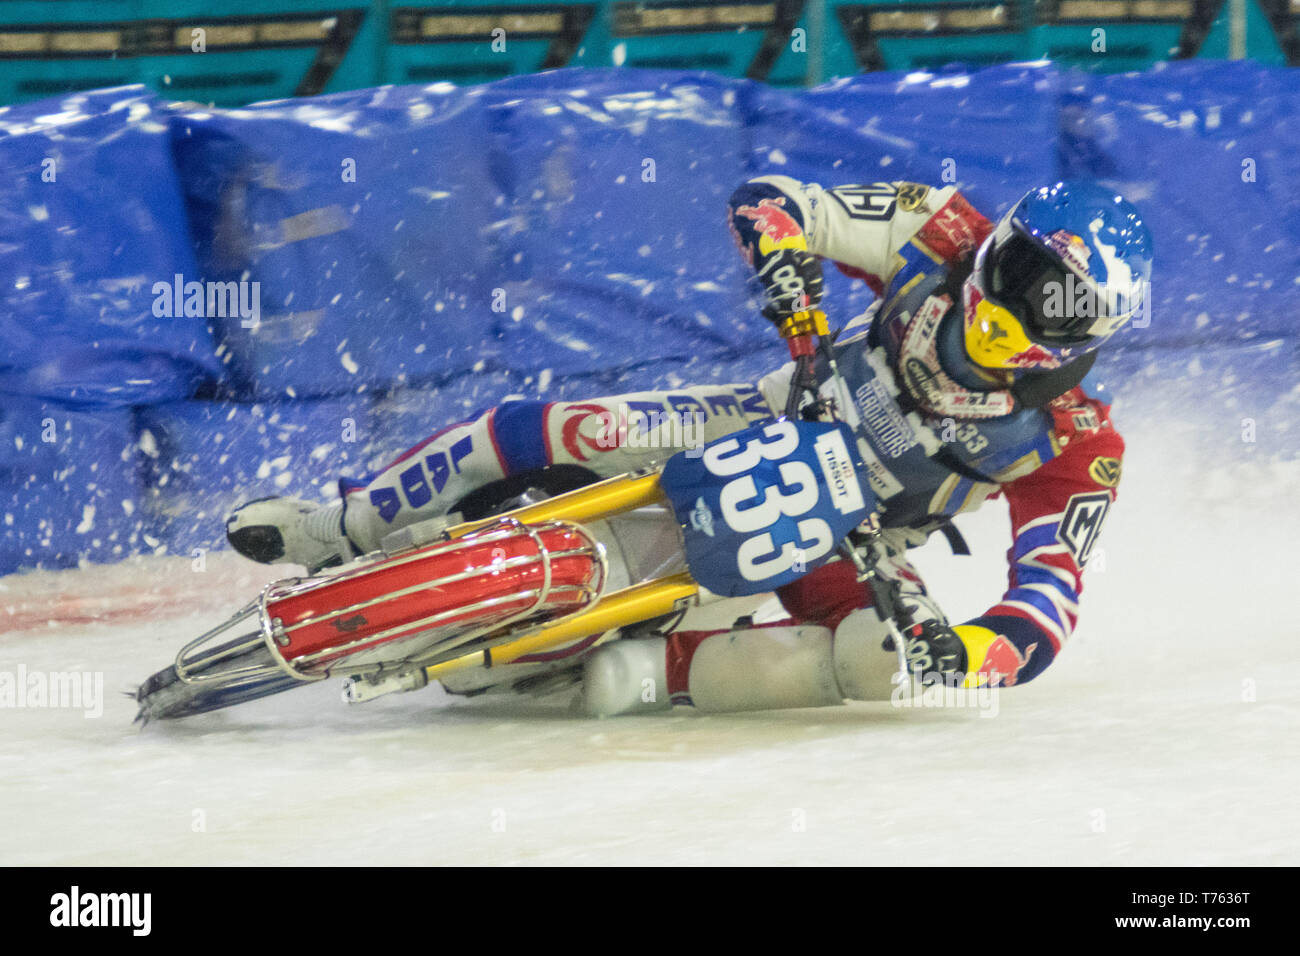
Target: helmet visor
1051 302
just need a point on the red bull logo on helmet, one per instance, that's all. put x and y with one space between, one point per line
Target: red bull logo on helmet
1071 248
995 338
1033 357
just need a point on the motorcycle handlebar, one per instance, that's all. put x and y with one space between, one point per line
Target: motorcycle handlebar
806 322
801 329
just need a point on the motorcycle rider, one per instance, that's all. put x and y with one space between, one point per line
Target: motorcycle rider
966 373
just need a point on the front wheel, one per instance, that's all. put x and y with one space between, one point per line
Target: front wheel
165 695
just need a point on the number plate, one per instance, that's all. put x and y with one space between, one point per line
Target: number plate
766 505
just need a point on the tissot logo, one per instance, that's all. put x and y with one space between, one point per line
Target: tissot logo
837 469
76 909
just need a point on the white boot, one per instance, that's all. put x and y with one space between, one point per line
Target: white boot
289 531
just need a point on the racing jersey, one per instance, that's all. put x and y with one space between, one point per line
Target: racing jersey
934 445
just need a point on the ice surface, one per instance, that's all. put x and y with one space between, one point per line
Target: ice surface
1167 733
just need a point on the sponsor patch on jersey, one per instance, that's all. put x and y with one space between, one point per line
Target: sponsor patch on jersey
1085 420
1081 524
1105 471
1072 418
881 479
932 310
921 381
871 201
577 431
955 230
837 468
911 196
884 419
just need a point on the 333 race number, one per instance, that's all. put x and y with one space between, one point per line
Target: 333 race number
757 508
746 510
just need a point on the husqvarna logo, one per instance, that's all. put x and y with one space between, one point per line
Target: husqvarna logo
702 517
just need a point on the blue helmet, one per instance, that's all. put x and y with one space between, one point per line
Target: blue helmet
1061 273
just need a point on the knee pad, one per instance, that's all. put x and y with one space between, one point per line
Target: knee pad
864 669
626 677
758 668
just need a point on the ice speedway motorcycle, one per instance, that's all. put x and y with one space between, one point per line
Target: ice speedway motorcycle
741 515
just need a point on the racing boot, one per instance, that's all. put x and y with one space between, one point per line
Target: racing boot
290 531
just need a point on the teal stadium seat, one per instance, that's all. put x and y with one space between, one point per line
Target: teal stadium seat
1111 36
1272 31
760 39
475 41
270 49
924 34
51 48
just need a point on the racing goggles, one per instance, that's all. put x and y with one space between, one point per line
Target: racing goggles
1054 305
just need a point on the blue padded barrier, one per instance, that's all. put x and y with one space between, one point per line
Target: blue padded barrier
506 240
69 491
200 459
621 247
367 218
1208 152
90 220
